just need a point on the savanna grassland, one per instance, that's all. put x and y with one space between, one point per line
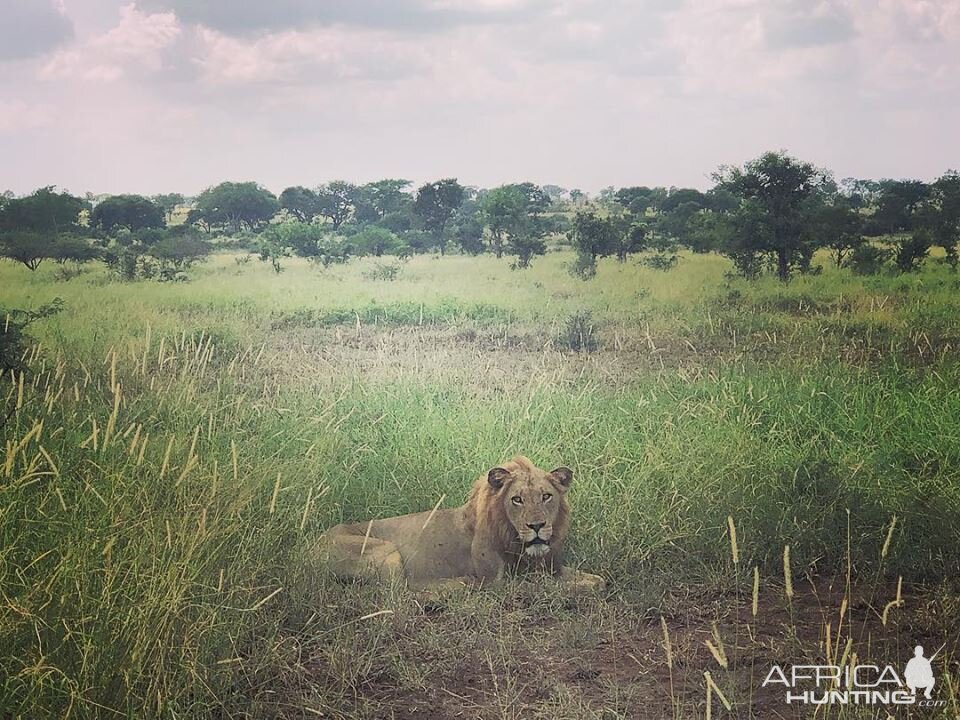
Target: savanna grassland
764 472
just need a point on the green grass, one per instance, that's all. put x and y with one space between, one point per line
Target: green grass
137 582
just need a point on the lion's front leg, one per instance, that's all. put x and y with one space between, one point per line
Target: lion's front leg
581 580
488 566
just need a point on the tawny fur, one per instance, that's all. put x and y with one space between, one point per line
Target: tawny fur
516 517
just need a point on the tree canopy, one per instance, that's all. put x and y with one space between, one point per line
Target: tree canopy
777 193
235 206
133 212
435 203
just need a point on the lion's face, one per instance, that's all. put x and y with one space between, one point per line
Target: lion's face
532 501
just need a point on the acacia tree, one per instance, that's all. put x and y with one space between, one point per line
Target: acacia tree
377 241
41 225
434 204
593 237
514 216
897 205
838 226
303 203
383 197
502 209
235 206
336 201
777 194
133 212
169 202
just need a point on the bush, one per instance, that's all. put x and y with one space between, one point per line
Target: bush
584 267
180 251
911 251
661 261
867 259
579 333
12 337
383 271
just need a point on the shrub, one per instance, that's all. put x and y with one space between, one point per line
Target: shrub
12 337
584 267
867 259
579 333
383 271
661 261
911 251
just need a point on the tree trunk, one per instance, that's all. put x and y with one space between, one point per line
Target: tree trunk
783 266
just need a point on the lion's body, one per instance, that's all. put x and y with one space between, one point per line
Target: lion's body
439 550
516 518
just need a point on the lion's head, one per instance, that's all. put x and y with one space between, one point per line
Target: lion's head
524 507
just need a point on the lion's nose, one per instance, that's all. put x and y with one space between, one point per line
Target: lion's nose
535 526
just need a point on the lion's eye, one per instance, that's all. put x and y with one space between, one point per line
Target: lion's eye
517 500
546 497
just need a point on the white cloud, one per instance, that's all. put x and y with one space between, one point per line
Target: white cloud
136 44
579 92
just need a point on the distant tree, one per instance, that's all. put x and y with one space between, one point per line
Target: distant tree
675 222
593 236
43 211
777 196
639 199
169 202
75 249
303 203
912 249
859 194
235 206
940 215
682 196
38 226
310 241
708 231
577 196
377 241
837 226
555 192
514 215
897 204
607 194
337 200
133 212
179 250
386 196
467 232
28 248
398 223
434 204
503 209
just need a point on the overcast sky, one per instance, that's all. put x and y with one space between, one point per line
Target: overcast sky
176 95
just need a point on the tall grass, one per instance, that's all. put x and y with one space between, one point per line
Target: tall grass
166 470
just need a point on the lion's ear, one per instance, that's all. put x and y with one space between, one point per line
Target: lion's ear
563 475
497 477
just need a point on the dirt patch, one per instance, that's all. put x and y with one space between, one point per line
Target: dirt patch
525 657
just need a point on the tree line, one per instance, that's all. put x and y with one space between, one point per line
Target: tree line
771 214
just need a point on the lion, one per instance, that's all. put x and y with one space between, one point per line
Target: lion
515 519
